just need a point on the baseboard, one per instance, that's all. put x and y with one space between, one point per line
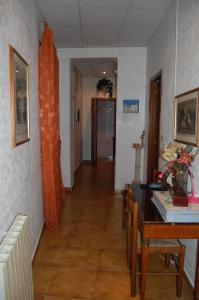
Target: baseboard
38 242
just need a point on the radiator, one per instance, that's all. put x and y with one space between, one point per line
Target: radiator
16 262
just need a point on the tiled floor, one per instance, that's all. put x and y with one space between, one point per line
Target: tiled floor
86 259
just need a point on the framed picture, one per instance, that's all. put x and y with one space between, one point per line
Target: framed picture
19 98
131 106
186 118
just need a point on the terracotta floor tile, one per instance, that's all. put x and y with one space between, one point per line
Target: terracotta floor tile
97 215
165 288
55 298
38 297
80 258
49 257
42 277
91 225
114 217
55 239
114 241
73 283
113 260
66 230
84 240
69 221
90 217
113 227
81 299
118 297
112 285
85 259
73 209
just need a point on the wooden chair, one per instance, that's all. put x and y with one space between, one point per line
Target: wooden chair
137 244
126 189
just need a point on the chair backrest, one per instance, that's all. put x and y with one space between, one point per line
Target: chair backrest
132 229
132 208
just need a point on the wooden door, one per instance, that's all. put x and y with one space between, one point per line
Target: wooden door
153 135
94 131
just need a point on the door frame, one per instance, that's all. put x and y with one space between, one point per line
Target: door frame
154 128
94 102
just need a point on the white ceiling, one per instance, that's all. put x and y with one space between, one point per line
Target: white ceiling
102 23
94 67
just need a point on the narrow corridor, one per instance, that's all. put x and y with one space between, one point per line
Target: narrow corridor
86 258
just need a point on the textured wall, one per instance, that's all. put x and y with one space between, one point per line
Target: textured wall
20 180
187 74
130 84
180 71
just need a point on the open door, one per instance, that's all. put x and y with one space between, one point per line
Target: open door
94 131
154 120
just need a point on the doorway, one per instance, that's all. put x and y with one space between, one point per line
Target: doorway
154 127
103 117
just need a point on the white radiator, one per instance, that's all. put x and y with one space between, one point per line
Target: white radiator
16 262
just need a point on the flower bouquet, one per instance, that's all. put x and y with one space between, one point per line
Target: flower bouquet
177 170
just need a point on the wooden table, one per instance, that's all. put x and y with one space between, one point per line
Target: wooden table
179 223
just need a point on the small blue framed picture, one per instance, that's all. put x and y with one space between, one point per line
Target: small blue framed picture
131 106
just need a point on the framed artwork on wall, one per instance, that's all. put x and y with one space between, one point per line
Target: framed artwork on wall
131 106
186 118
19 98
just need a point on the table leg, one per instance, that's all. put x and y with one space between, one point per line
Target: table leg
196 292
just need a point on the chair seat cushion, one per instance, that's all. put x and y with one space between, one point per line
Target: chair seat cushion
160 242
164 243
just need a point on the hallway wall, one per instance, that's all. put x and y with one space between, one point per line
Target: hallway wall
174 49
131 84
20 180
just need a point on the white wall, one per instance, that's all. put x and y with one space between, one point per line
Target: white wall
130 84
89 91
174 49
20 179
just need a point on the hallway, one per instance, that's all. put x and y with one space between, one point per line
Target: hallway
86 258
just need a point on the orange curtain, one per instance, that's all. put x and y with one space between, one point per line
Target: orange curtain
49 128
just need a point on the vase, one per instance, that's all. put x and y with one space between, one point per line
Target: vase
180 182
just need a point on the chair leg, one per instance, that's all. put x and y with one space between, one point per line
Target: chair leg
124 209
133 261
128 241
144 266
180 273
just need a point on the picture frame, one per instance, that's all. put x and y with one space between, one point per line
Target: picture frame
19 98
186 119
131 106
